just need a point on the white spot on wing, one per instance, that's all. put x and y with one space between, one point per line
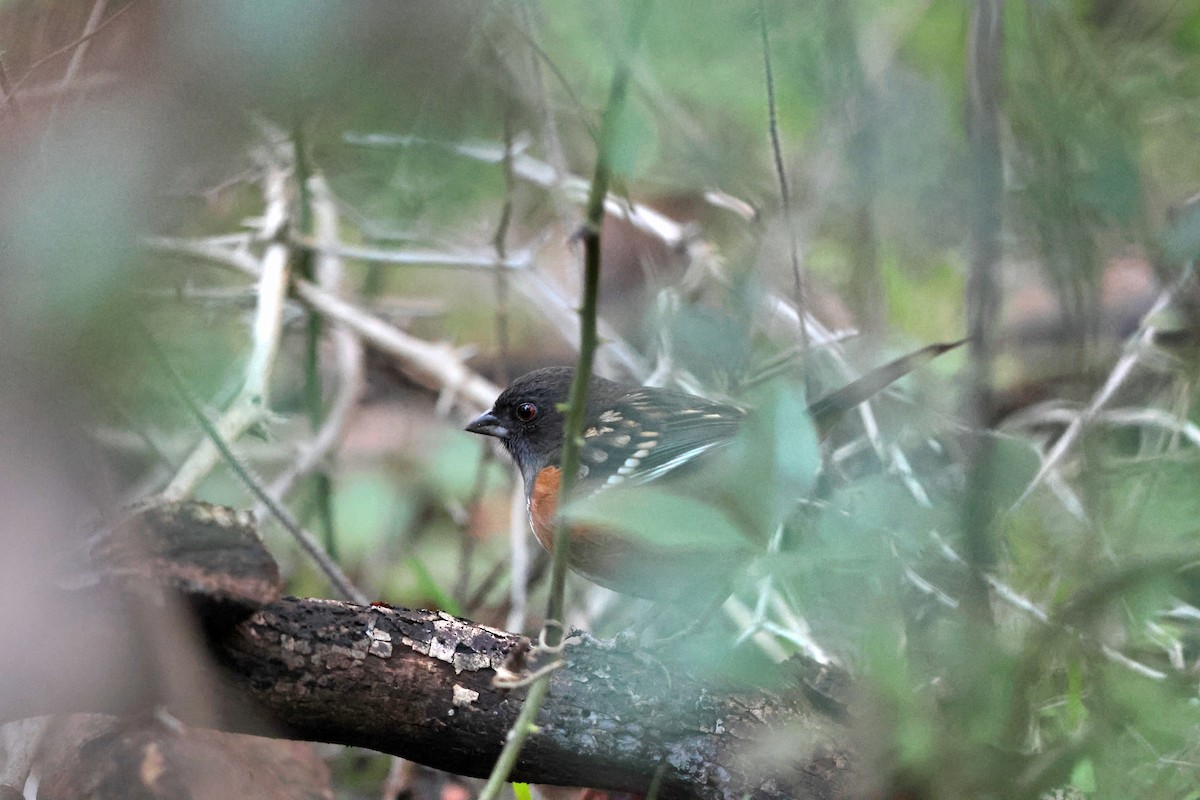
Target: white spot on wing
610 416
629 466
679 460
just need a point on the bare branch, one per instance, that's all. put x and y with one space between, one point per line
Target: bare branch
89 30
483 260
21 740
781 172
419 684
348 355
616 354
1135 351
250 405
539 173
1010 596
438 366
81 41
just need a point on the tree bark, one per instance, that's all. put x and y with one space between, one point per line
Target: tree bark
418 684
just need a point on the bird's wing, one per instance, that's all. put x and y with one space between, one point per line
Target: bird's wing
647 433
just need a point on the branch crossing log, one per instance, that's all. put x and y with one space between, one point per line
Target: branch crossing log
417 684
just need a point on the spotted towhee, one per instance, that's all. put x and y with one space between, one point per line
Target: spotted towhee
632 436
638 436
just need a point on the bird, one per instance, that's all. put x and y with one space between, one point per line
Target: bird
633 436
699 475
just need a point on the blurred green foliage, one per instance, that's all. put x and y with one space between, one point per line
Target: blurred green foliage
1081 679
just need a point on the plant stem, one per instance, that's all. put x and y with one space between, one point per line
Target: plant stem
577 402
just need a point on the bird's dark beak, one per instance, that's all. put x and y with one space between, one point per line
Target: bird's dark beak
488 425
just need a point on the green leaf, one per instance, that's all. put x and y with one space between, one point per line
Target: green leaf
1014 463
773 463
1083 777
663 518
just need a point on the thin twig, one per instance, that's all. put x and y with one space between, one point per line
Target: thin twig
483 260
539 173
304 260
500 243
521 562
33 68
20 740
983 76
548 297
553 631
776 306
48 91
773 305
781 177
1009 595
321 491
501 317
463 519
348 358
306 540
1119 658
1138 347
1056 414
250 405
5 86
553 144
438 366
76 62
588 341
744 618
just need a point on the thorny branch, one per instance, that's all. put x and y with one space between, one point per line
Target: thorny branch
551 300
438 366
553 630
250 405
983 77
90 32
1137 349
306 540
348 356
90 28
781 174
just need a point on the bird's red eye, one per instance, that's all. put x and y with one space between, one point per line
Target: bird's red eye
526 412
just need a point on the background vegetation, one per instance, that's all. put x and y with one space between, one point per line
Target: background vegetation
1002 550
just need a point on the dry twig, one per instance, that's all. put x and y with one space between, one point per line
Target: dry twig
250 405
348 355
436 365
